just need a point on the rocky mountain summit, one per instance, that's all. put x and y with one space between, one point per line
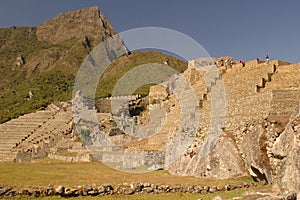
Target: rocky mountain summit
41 63
76 24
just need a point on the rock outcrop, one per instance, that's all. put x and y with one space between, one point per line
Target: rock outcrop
286 151
223 162
253 149
85 24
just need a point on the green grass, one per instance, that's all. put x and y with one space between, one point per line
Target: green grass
47 171
19 40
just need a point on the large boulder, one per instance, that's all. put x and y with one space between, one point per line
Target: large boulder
287 150
224 161
254 151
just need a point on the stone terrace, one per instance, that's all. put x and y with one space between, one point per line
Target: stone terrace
278 84
26 137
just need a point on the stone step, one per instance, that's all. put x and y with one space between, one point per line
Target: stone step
5 148
13 132
33 119
19 126
7 155
5 140
103 148
283 112
8 151
42 112
24 123
34 116
7 158
19 139
79 150
29 119
286 94
9 140
107 153
7 144
36 141
111 157
285 104
33 136
19 129
40 137
16 136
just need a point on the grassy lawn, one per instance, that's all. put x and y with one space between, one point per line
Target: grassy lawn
46 171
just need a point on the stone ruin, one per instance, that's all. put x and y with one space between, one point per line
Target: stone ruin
256 131
259 124
244 131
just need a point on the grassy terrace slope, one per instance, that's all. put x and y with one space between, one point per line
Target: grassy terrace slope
50 69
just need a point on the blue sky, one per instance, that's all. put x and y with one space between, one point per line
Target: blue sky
242 29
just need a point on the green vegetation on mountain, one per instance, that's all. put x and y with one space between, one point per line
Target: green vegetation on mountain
42 74
46 87
125 63
50 69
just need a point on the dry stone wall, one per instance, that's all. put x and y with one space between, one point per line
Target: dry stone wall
107 189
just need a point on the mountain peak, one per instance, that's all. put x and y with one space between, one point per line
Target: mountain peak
75 24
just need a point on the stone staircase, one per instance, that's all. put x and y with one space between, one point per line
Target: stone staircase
266 79
24 138
286 77
207 80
